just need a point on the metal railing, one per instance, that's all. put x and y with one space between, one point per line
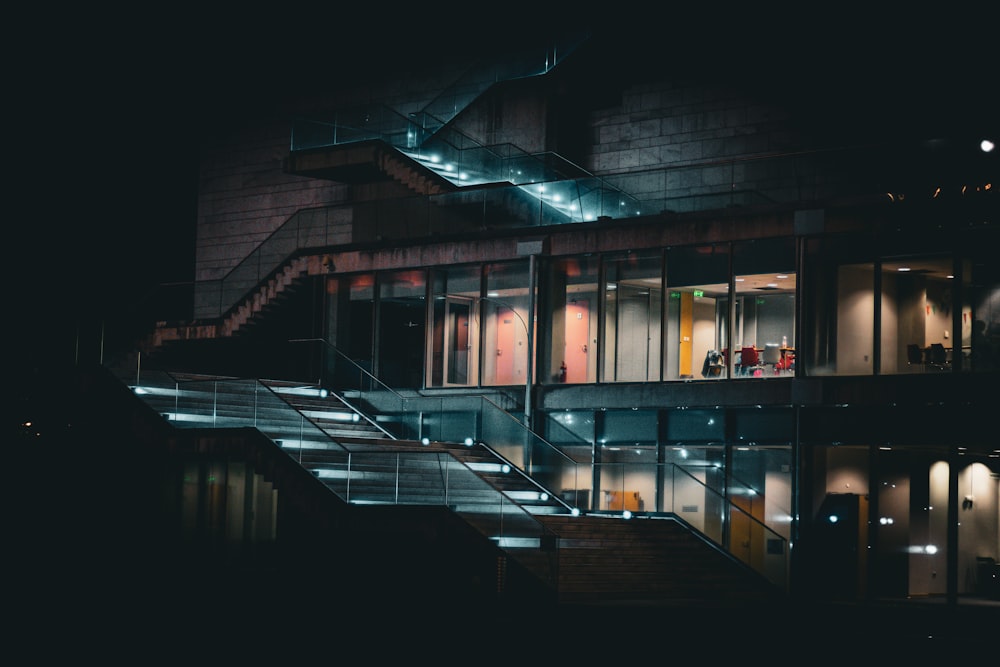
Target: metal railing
358 475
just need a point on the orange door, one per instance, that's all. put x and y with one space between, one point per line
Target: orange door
577 339
507 347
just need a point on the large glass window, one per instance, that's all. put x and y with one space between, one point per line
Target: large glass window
504 320
573 432
350 329
401 315
568 351
981 308
453 343
917 314
633 297
760 479
838 306
697 312
764 313
693 470
627 460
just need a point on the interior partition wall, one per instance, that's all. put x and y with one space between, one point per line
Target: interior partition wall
764 288
838 302
631 344
505 323
916 335
568 331
453 335
698 311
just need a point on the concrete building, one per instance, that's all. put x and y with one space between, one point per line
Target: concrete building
761 310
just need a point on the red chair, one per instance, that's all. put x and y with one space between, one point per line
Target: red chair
749 360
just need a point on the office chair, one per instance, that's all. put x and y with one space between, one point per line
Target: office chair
749 360
713 364
772 356
937 356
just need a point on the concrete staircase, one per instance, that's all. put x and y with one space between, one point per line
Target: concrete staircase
329 411
647 559
267 295
348 425
584 559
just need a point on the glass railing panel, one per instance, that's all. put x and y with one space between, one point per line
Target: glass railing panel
758 546
156 388
282 245
467 419
630 487
386 477
350 125
243 278
543 462
308 133
331 467
520 168
437 478
528 62
464 166
397 414
394 478
575 488
470 210
499 518
453 420
730 526
701 508
319 227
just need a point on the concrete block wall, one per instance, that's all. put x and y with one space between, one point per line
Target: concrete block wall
244 195
665 124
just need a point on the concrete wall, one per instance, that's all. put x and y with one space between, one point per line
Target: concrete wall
665 124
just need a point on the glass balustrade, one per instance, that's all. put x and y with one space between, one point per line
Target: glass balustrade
365 475
359 475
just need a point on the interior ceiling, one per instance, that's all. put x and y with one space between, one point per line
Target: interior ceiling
750 283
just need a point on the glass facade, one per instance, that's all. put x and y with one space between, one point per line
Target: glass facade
505 316
698 311
632 304
569 296
837 303
873 505
705 312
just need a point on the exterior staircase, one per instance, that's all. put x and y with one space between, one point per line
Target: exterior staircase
348 425
580 559
268 294
328 410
